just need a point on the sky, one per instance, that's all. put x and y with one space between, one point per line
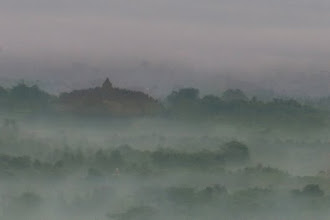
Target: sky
281 45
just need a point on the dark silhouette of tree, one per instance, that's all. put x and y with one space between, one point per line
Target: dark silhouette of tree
312 190
184 103
3 92
235 151
186 94
234 95
23 97
211 105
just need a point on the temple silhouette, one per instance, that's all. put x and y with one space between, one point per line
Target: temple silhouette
108 99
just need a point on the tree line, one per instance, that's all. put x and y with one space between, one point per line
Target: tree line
186 103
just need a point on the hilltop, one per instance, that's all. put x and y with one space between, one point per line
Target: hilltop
109 100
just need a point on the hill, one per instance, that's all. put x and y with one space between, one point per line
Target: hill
109 100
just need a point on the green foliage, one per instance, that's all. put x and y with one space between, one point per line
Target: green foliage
3 92
235 151
234 106
310 190
23 98
202 159
211 104
184 103
191 184
183 95
100 162
234 95
211 193
21 162
251 199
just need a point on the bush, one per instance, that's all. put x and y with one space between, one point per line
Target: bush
236 152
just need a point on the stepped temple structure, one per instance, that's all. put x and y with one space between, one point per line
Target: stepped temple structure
110 101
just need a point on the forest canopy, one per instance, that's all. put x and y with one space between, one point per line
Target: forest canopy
186 104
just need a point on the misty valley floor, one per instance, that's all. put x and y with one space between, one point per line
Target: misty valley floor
160 169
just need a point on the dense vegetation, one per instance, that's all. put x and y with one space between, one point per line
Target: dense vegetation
211 157
235 106
185 104
61 176
23 98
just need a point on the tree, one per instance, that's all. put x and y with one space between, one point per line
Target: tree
211 104
235 151
185 102
3 91
312 190
186 94
3 96
28 97
234 95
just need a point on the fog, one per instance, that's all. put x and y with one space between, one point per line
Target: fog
156 110
166 44
154 168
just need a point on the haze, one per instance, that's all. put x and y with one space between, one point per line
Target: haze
168 44
157 110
